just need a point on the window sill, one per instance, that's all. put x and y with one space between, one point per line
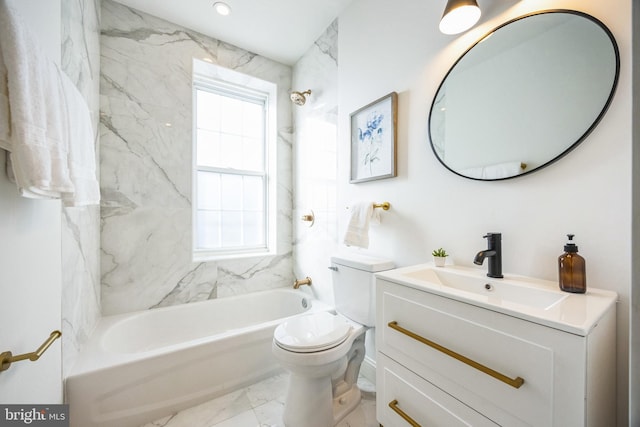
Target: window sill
206 256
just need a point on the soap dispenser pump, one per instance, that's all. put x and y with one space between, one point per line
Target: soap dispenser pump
571 269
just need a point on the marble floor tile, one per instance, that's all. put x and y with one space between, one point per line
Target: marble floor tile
260 405
245 419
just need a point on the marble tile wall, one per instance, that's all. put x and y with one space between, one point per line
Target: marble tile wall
315 161
145 165
80 35
315 172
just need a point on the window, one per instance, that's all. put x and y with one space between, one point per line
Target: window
234 195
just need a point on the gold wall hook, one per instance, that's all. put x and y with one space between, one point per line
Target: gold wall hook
6 358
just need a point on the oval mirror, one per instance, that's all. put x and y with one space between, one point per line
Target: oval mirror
524 95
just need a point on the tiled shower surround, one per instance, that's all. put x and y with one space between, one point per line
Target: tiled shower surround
80 34
315 161
145 164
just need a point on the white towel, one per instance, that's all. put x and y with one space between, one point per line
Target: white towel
82 157
362 215
37 128
35 107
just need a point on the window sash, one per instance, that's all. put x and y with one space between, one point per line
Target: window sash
254 221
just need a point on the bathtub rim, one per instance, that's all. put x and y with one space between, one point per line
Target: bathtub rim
94 357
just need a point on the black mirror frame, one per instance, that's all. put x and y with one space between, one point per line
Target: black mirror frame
582 137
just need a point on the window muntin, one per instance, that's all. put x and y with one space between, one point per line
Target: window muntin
232 176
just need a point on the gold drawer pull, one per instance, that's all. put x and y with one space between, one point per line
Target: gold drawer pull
394 405
516 383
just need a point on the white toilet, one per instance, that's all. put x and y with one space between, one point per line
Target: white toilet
323 351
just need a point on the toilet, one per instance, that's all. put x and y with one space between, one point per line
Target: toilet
323 351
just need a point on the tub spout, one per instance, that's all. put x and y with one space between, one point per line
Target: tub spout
300 282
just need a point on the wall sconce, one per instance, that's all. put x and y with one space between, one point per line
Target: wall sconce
459 16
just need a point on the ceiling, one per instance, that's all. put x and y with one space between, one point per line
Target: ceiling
282 30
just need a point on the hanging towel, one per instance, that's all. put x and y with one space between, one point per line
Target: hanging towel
37 131
81 157
41 120
362 215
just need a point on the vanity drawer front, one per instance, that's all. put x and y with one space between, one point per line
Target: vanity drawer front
464 340
419 400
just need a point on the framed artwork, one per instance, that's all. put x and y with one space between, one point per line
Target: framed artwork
373 140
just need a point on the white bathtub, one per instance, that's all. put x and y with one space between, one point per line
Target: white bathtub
142 366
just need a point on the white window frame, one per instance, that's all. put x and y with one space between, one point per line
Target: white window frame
221 80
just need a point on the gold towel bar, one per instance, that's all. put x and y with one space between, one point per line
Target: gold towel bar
6 358
394 405
384 205
515 382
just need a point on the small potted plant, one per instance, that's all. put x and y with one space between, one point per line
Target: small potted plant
439 257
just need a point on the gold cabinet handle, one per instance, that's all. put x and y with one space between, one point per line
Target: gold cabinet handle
394 405
6 358
513 382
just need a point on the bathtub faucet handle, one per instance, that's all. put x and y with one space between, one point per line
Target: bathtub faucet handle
300 282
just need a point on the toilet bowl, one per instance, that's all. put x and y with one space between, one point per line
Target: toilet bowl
323 363
323 352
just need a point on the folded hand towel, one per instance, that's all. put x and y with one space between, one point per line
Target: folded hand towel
362 215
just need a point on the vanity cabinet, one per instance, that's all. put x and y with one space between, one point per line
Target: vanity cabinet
445 362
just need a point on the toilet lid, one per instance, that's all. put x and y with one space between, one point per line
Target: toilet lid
312 332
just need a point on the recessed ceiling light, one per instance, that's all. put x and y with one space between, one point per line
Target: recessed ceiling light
222 8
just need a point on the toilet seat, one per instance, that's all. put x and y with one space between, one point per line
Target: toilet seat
312 333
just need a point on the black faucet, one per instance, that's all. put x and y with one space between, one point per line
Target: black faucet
494 253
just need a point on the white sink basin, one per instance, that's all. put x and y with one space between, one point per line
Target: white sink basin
523 291
536 300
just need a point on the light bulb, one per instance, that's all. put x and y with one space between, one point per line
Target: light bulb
459 18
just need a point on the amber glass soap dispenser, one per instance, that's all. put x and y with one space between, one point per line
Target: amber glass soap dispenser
571 269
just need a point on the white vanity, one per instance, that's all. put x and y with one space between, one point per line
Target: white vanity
456 348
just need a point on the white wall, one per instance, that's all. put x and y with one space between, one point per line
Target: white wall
30 259
395 46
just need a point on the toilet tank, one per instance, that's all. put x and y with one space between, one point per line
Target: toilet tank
354 286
